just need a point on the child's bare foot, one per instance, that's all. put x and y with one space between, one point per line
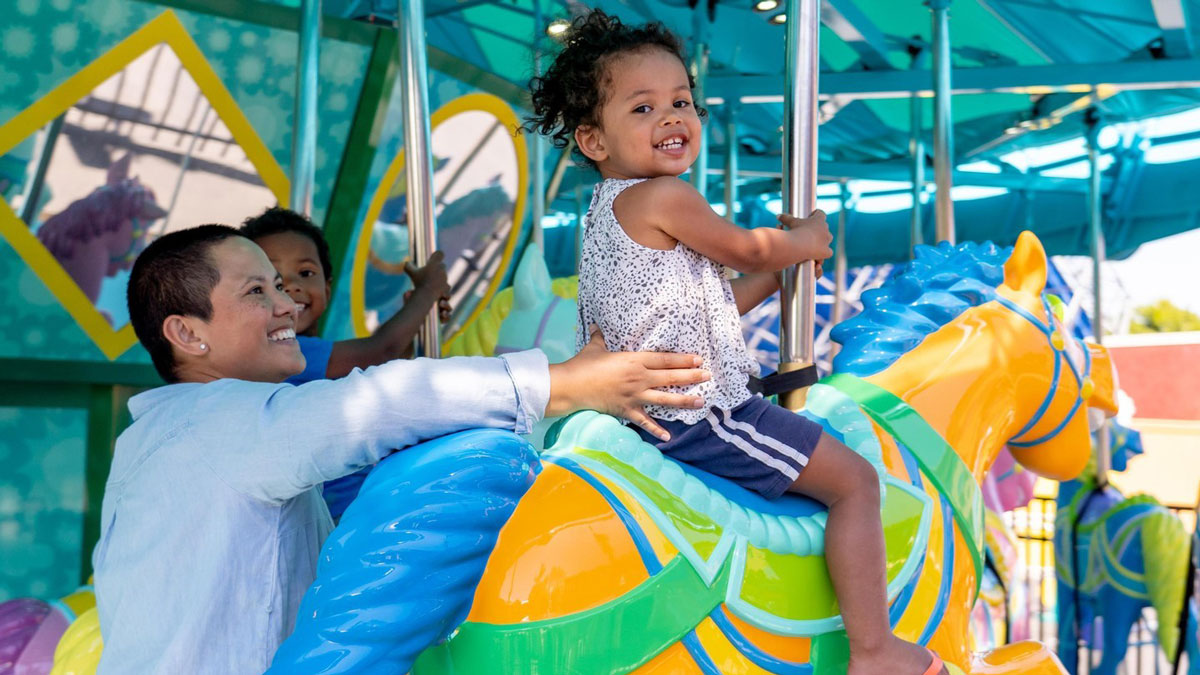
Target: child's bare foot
896 656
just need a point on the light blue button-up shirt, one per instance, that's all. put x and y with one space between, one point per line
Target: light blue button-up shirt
211 523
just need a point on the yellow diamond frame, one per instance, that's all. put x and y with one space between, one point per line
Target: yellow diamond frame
163 29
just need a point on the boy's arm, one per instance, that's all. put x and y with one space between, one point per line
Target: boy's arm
660 211
273 442
394 339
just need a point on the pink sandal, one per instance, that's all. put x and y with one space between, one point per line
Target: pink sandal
936 666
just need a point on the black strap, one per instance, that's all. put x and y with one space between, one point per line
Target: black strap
781 383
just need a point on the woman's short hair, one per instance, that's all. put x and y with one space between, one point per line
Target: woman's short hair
174 275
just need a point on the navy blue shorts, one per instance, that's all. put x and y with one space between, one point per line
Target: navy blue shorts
758 445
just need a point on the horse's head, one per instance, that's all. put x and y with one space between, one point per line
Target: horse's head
539 318
1054 436
966 335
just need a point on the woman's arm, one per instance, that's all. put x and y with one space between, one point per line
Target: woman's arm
661 211
272 442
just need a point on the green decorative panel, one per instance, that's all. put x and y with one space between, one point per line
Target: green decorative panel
41 500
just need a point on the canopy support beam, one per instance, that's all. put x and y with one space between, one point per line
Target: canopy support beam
1095 215
798 294
304 134
943 122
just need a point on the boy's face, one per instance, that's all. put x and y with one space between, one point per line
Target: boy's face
295 257
251 334
648 124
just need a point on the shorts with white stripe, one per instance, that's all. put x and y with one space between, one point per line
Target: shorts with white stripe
758 445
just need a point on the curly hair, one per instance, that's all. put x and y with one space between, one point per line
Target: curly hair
573 90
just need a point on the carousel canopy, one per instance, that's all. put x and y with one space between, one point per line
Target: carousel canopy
1026 74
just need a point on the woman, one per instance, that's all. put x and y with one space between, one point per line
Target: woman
211 523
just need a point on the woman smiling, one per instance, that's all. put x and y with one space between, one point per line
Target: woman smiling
211 521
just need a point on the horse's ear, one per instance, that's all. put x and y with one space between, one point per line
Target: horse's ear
119 170
532 282
1026 267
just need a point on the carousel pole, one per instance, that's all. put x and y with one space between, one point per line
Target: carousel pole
304 135
731 160
916 148
700 29
1095 214
418 168
537 146
798 295
943 131
839 254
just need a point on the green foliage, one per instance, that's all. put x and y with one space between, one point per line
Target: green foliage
1163 317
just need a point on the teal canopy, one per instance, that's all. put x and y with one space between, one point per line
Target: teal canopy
1025 72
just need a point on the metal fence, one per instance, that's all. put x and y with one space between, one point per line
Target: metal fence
1033 526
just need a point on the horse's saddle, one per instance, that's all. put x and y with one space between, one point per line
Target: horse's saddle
763 559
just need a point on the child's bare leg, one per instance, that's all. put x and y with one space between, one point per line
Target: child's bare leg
854 552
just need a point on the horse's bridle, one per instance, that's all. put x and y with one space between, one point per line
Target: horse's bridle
1058 345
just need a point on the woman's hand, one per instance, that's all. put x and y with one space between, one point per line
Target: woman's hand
622 383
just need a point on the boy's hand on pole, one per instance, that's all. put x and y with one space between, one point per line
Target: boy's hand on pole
432 276
623 383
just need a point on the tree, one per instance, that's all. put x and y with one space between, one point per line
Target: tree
1163 317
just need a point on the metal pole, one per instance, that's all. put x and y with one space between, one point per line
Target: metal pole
798 296
839 254
537 148
943 131
560 170
304 136
731 161
45 150
1095 214
418 167
916 147
700 72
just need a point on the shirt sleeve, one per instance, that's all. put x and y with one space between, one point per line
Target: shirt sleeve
274 441
316 359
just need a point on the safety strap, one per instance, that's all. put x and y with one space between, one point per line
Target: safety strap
781 383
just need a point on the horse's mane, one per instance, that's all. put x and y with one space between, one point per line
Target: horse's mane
939 284
101 212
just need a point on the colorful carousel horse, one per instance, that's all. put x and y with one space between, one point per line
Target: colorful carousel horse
1128 554
473 554
1192 621
31 630
1001 615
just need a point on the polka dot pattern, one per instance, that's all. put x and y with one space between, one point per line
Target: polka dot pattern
655 300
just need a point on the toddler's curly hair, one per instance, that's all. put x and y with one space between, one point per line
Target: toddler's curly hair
574 89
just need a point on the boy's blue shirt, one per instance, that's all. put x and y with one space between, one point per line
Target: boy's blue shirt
212 523
316 359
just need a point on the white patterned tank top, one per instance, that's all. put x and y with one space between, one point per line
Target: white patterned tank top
647 299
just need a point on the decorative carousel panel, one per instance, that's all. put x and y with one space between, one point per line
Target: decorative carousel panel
479 182
129 148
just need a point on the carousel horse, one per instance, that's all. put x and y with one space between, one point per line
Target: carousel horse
31 630
474 554
1192 621
101 234
1001 615
1115 557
